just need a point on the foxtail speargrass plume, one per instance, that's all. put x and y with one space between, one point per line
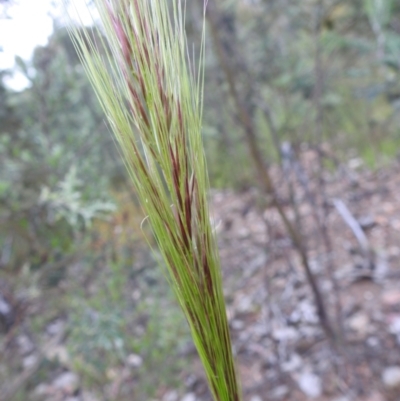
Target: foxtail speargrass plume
153 101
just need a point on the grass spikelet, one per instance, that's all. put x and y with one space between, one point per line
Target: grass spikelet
153 101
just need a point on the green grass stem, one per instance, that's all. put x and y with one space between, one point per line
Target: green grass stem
152 96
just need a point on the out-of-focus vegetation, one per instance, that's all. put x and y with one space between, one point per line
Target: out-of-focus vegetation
311 72
326 71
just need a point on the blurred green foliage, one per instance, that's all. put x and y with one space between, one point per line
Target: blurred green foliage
337 61
56 159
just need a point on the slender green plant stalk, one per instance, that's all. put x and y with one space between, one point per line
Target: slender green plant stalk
152 97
